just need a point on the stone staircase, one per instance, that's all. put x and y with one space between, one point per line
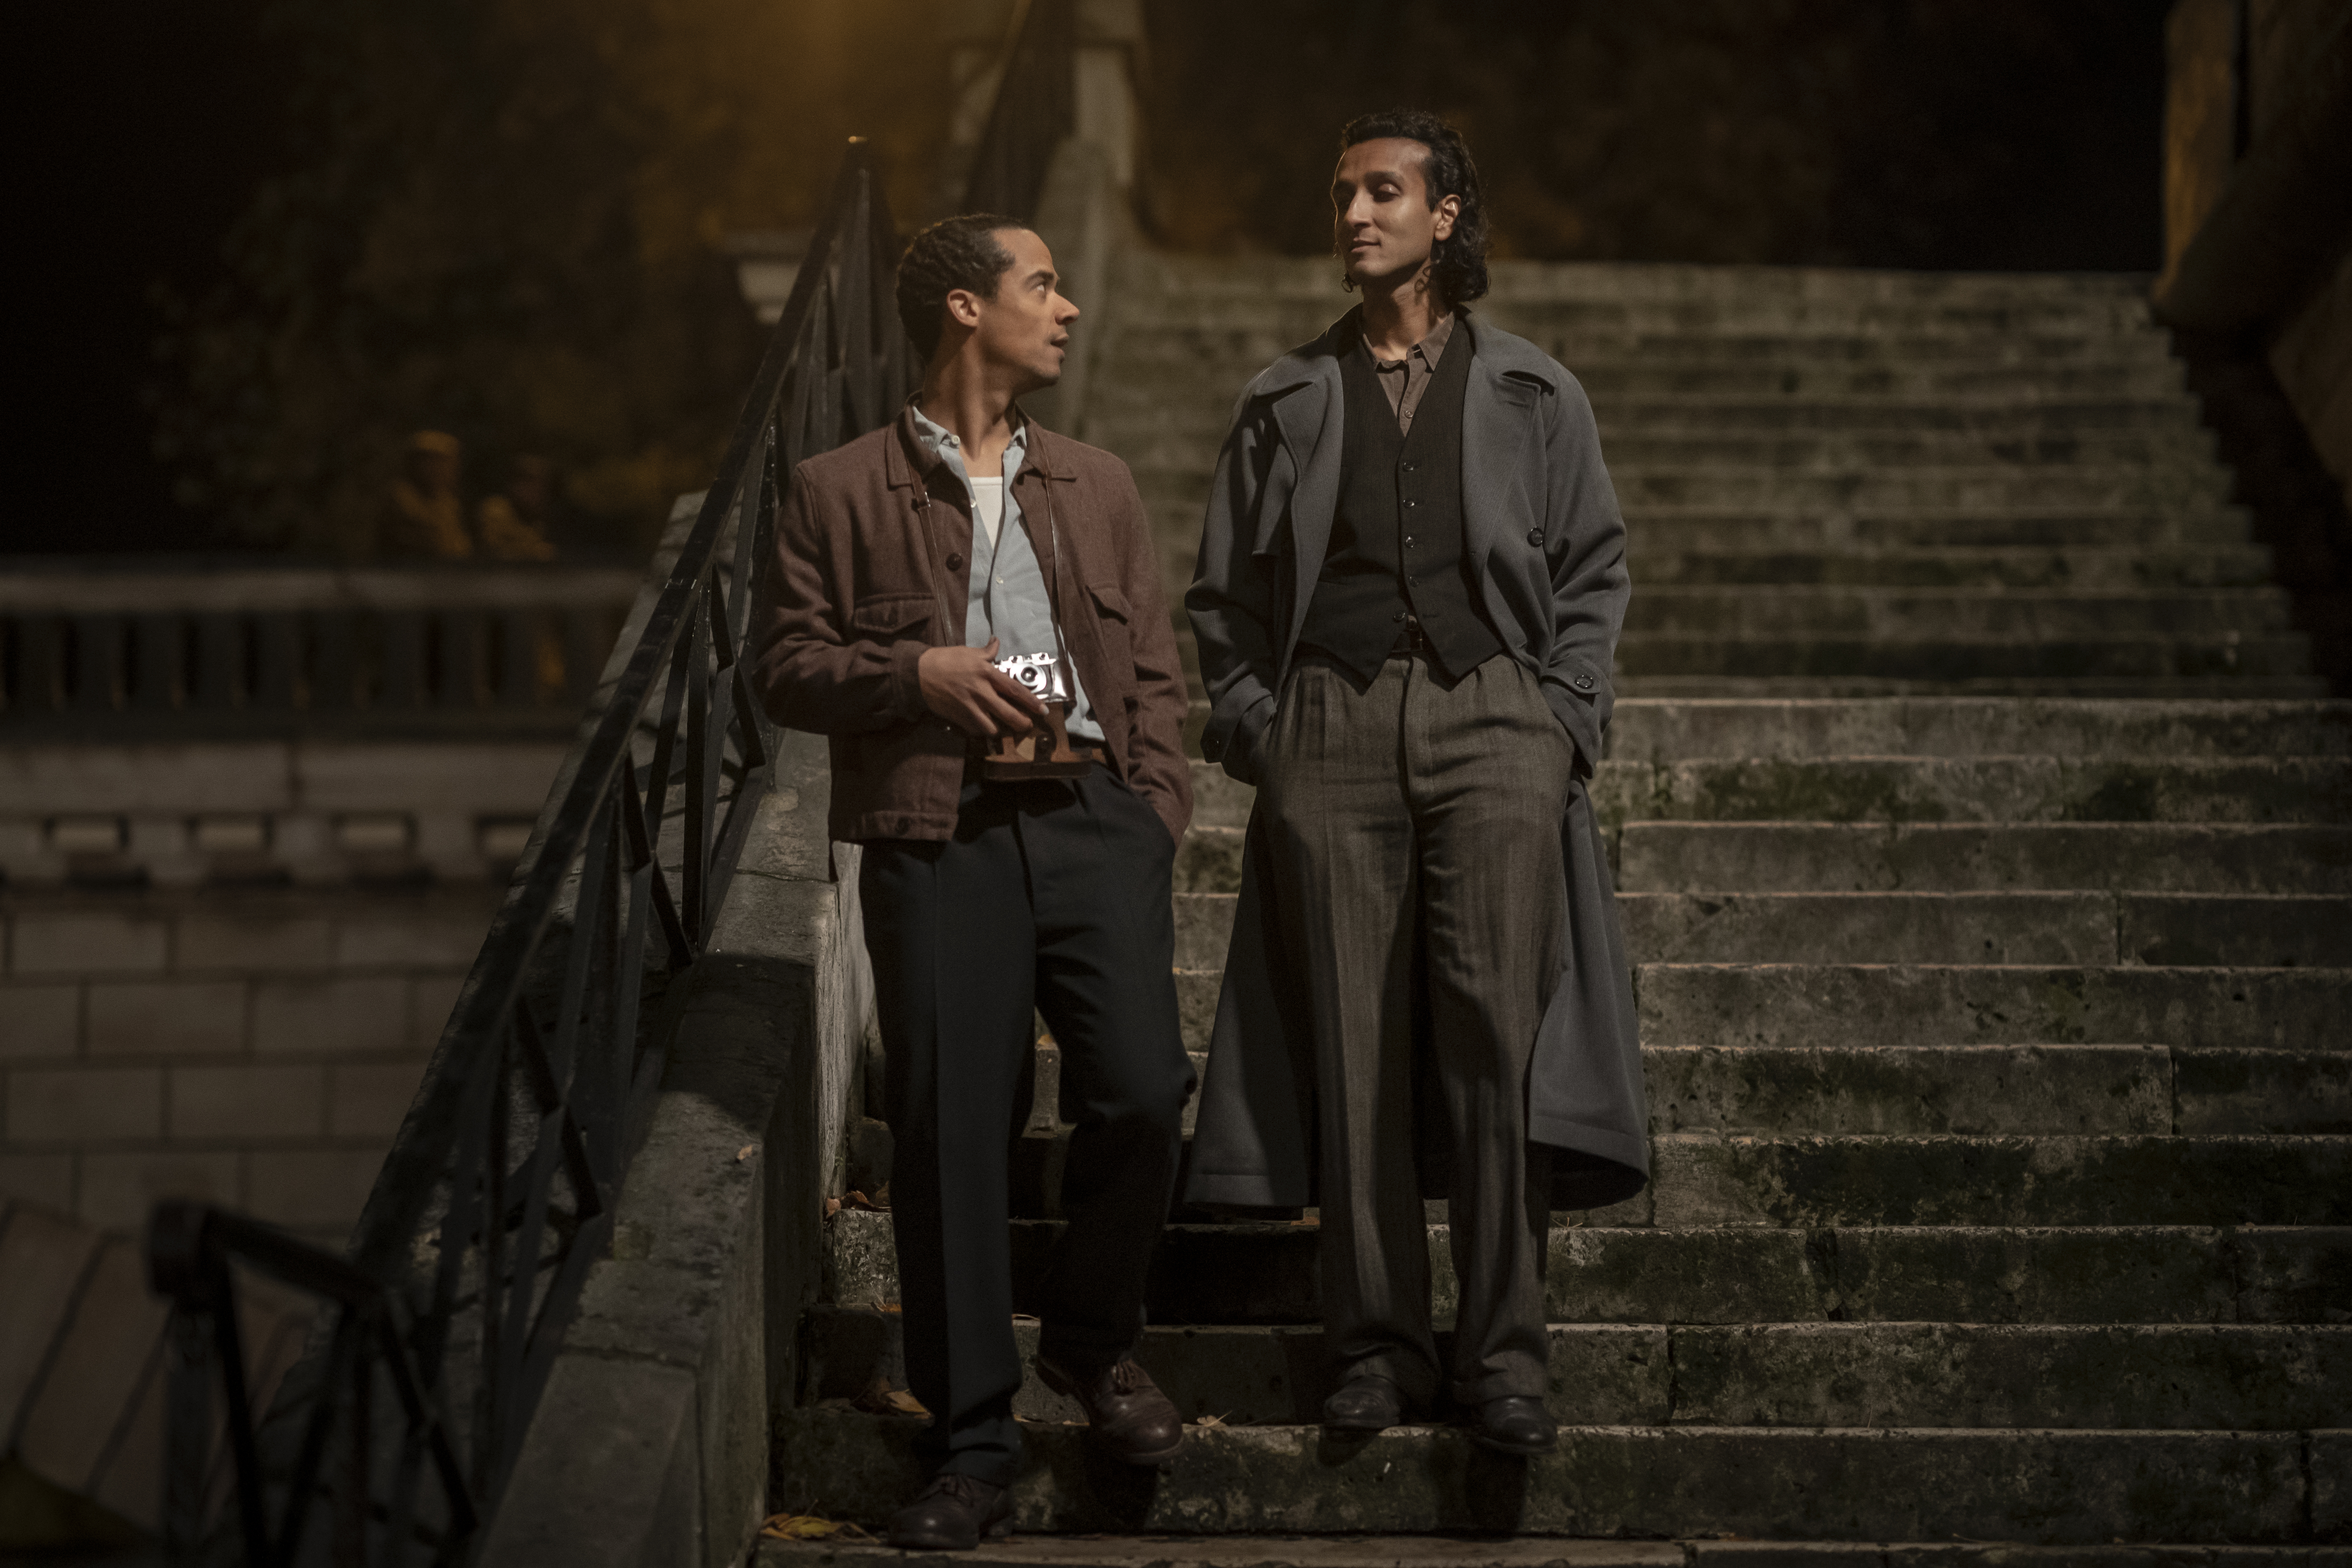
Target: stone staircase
1985 850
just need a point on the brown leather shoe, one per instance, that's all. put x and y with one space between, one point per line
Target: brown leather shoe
1128 1413
954 1513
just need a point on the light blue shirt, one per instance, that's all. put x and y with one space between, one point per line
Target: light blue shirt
1009 601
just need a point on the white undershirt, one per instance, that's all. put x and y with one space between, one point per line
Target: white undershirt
988 501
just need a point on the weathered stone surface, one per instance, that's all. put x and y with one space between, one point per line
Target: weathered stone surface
2180 857
1701 1179
2246 929
1244 1552
2012 1089
2262 1091
1924 1004
1956 1375
1657 731
1835 1484
1869 927
1903 789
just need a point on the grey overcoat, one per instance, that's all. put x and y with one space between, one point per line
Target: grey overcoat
1546 547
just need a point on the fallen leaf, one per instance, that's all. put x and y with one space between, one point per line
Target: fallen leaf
1212 1421
857 1200
905 1403
881 1399
810 1527
832 1207
747 1151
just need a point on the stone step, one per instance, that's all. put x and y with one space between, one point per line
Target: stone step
1710 1179
1515 280
1676 729
1836 1483
1895 789
1968 663
1201 353
2084 569
2244 929
2032 619
1099 1550
2212 1008
1307 313
2134 689
1145 412
1106 1549
1646 461
1265 1272
2195 488
1665 530
2267 1378
1741 857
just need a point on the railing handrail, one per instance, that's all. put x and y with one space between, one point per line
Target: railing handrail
563 1098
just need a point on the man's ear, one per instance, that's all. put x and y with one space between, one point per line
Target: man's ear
964 307
1449 213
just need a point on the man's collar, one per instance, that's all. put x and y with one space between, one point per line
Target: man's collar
911 458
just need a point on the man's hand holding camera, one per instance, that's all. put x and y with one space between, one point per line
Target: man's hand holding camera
964 686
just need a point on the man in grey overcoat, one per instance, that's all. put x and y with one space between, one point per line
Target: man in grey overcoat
1410 581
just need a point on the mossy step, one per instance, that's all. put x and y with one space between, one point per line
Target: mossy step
2157 661
1265 1272
1677 729
1896 789
2170 857
1898 1088
1309 310
2084 570
2270 1378
1961 1005
1874 1484
2042 617
2190 487
1103 1550
2042 928
1752 402
1707 1179
2172 448
1665 530
2032 688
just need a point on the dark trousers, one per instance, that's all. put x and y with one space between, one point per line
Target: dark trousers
1052 896
1416 836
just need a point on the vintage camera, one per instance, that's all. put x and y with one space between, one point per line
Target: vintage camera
1044 752
1040 675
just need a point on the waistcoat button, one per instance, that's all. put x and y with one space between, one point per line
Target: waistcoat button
1535 536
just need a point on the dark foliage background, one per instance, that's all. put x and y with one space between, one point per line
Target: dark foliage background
274 236
1920 133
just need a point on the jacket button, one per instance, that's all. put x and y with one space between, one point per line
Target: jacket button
955 563
1584 683
1535 537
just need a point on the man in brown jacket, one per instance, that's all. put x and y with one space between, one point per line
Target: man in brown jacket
907 562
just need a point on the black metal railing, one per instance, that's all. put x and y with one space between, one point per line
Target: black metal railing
499 1191
1036 109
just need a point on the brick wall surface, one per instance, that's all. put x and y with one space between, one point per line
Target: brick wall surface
257 1049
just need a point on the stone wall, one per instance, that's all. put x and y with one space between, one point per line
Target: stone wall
223 964
256 1048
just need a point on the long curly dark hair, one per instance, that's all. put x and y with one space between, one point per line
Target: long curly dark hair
954 253
1457 266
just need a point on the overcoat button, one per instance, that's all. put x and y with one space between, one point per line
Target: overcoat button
1584 683
955 563
1535 536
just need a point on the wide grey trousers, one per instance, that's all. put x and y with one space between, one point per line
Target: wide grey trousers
1416 837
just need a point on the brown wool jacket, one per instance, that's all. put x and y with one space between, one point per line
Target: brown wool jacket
855 589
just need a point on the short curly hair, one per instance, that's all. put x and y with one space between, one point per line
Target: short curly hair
1458 263
954 253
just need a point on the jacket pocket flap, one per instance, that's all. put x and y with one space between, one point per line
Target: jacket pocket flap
1113 602
890 611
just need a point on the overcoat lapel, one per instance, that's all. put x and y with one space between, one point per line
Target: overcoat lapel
1499 413
1313 420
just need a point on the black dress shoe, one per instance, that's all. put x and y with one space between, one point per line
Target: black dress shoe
954 1513
1125 1409
1363 1406
1514 1423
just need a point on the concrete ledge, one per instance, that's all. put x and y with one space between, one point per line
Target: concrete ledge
651 1443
